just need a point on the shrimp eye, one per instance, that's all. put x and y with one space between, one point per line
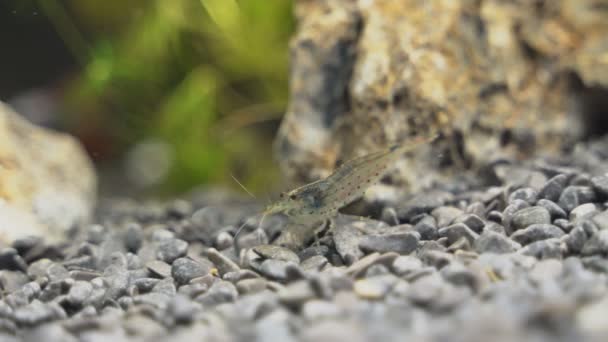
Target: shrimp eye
281 195
292 197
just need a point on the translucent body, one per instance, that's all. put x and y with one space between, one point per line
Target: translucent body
322 199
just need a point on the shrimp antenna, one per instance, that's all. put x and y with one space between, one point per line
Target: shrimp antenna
242 186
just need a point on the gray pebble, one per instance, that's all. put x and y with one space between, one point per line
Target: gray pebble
425 289
544 249
402 243
492 242
554 210
529 216
79 292
472 221
38 312
553 188
170 249
510 210
457 274
296 293
220 292
528 195
185 269
133 237
315 263
235 276
182 310
600 185
601 220
422 203
597 244
11 281
564 225
536 232
223 263
456 231
223 240
573 196
374 288
275 269
446 215
315 310
145 284
494 227
576 239
405 264
165 286
583 212
427 228
11 260
435 258
249 286
159 268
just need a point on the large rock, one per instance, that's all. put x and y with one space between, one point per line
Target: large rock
499 78
47 182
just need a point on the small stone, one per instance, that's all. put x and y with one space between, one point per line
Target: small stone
596 263
494 227
315 263
11 260
576 239
159 268
11 281
583 212
171 249
457 274
529 216
555 211
427 228
296 293
38 312
404 265
249 286
544 249
536 232
496 216
446 215
360 266
154 299
374 288
389 215
79 292
235 276
425 289
56 272
223 240
456 231
510 210
553 188
402 243
600 185
220 292
528 195
277 253
133 237
185 269
165 286
592 318
145 284
597 244
573 196
435 258
316 310
223 263
601 220
275 269
564 225
472 221
183 310
492 242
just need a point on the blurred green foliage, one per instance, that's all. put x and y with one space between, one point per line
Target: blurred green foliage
200 75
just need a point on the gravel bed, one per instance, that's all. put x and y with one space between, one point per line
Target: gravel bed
516 251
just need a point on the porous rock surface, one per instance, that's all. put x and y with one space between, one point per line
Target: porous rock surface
499 78
47 182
